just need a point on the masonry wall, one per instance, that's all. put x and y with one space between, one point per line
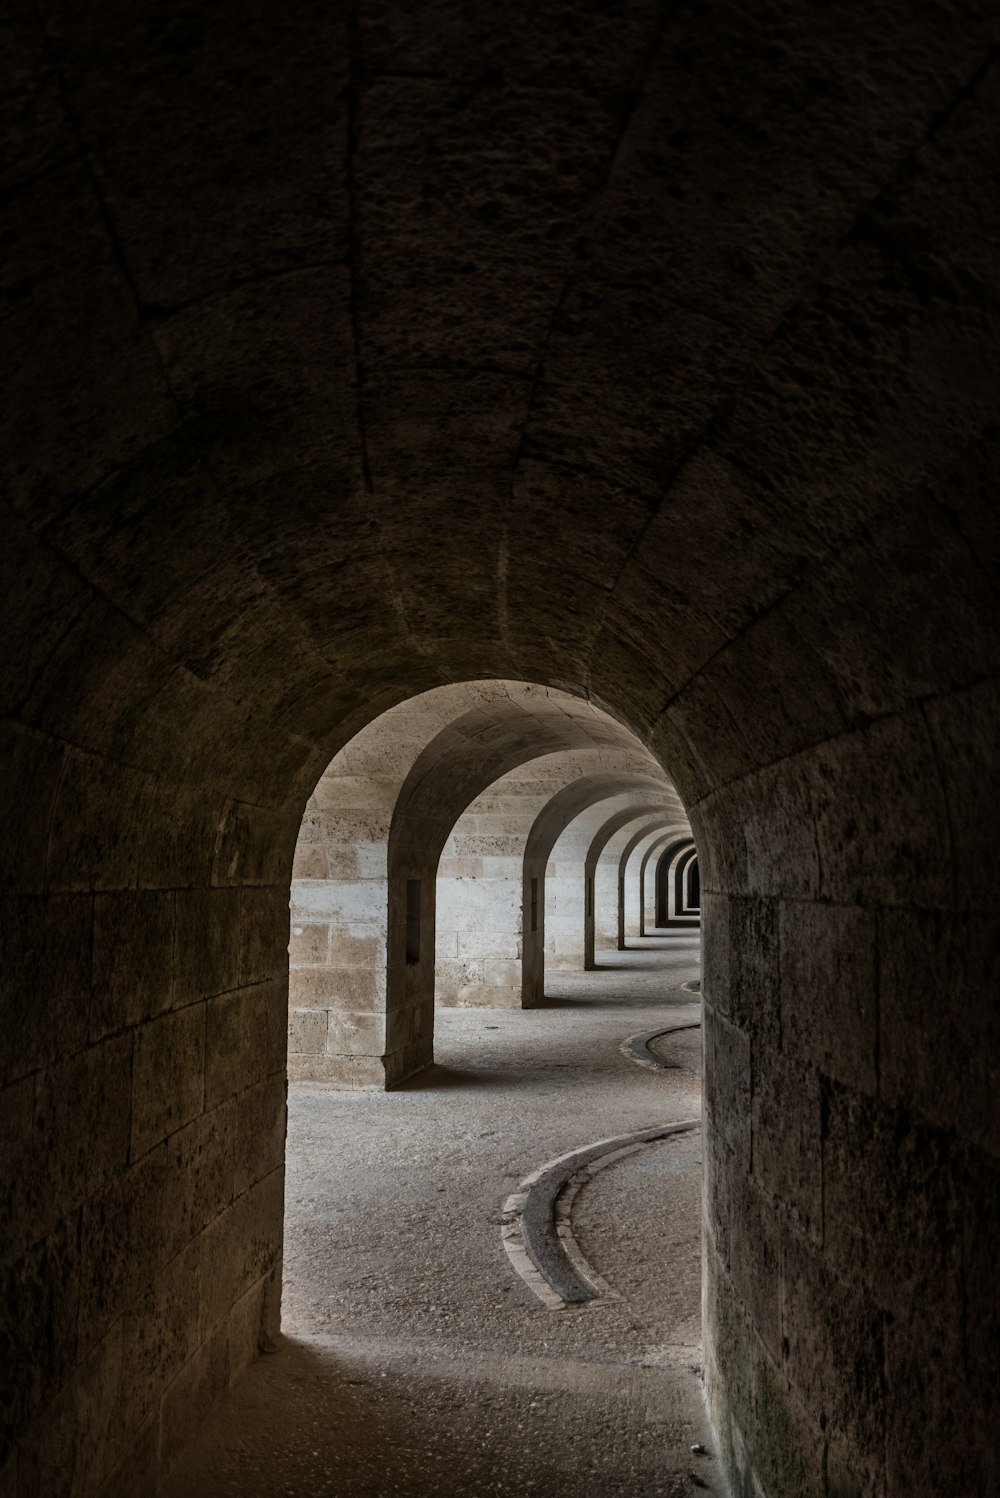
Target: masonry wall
143 1129
851 1167
337 951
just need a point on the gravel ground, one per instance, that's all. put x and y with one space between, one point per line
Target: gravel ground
415 1360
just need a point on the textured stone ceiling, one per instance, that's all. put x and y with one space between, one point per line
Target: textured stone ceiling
584 345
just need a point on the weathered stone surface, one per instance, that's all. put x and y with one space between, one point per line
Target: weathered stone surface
834 1352
727 1083
161 1332
787 1137
828 1004
132 959
890 1217
245 1038
45 951
79 1439
168 1076
938 1021
41 1302
206 943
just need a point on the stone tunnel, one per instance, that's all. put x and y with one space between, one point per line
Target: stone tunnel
487 487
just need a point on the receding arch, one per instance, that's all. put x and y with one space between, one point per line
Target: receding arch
665 863
610 882
618 822
635 906
480 920
389 802
679 876
580 797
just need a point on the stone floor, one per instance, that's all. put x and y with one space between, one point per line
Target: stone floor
415 1361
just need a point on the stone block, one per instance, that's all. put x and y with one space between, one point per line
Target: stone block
239 1248
74 1445
168 1076
310 862
828 1000
939 1024
147 1216
259 1131
715 918
833 1342
307 1030
132 958
24 1189
198 1386
45 947
753 1259
502 973
721 1174
963 726
161 1332
179 846
936 1440
254 844
977 1191
359 945
340 900
206 943
40 1299
714 737
879 816
363 1072
203 1160
98 824
263 934
850 1474
786 1443
776 812
309 945
244 1328
8 1477
787 1137
82 1123
337 988
890 1219
754 1002
791 704
728 1346
137 1472
727 1083
33 764
245 1040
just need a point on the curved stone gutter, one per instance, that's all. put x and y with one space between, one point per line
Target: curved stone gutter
536 1229
637 1047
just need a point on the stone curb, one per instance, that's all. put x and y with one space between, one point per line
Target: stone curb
536 1229
636 1048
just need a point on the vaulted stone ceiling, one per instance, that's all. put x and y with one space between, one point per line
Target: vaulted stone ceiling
582 344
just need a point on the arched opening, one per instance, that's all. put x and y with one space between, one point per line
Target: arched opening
365 947
665 882
684 909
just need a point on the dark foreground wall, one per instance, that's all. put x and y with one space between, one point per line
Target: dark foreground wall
649 354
